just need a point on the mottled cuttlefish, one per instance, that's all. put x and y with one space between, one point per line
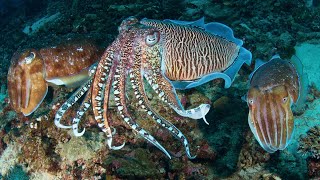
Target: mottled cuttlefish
274 87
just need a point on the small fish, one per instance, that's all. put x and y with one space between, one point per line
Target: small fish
274 87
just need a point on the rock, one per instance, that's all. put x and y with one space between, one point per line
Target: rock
309 54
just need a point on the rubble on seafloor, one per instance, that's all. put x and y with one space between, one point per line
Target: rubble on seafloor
47 149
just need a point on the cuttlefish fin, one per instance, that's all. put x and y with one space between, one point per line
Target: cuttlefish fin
303 80
214 28
258 63
244 56
204 79
223 31
198 23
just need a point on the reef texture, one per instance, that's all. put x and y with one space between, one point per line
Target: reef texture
33 148
310 146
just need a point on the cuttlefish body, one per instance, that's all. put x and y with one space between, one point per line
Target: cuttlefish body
274 87
32 71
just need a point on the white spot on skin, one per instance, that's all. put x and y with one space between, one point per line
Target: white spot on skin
80 49
120 108
161 94
155 86
98 117
98 98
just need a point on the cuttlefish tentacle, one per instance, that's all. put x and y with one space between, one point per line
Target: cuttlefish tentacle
85 105
136 79
107 88
120 100
167 94
100 89
71 101
165 90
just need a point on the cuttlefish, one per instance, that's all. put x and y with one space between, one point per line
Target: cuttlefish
274 87
32 71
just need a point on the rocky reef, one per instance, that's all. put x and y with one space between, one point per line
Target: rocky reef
33 147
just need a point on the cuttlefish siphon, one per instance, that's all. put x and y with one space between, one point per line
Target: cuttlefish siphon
274 87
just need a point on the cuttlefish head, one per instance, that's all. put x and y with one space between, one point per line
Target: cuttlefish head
270 116
26 84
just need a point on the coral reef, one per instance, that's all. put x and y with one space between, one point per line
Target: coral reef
310 143
9 158
310 146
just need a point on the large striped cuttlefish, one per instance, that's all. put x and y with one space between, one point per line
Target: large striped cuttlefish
169 55
274 87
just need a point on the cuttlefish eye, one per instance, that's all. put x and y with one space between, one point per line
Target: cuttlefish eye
250 101
30 58
152 38
285 99
270 117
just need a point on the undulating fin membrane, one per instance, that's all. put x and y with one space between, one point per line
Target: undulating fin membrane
303 82
244 56
198 23
258 63
26 84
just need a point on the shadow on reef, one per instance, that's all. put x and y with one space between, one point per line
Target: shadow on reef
16 173
287 165
226 133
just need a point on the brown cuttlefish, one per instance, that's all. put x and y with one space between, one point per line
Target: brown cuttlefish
32 71
274 87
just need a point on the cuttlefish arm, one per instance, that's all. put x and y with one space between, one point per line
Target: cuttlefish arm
274 87
26 84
